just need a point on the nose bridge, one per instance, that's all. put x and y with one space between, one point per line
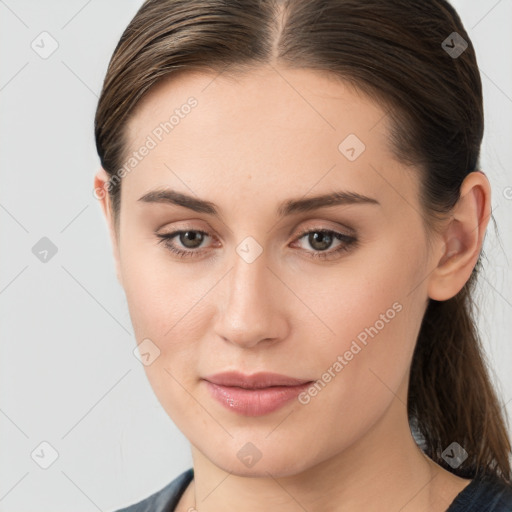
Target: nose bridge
249 275
249 309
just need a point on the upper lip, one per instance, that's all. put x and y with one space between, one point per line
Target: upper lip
254 381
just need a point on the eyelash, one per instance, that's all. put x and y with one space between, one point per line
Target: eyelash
349 242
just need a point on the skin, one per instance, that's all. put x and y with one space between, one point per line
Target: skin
350 448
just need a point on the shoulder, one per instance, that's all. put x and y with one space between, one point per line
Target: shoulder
485 493
166 499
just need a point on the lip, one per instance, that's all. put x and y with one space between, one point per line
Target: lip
256 394
254 381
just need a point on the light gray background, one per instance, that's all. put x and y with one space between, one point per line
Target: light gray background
68 374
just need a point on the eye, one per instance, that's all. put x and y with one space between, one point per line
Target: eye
319 239
322 239
190 238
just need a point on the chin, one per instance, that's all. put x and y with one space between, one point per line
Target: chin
246 463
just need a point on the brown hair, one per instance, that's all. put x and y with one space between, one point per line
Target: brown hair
393 51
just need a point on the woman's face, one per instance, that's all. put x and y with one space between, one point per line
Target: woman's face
263 290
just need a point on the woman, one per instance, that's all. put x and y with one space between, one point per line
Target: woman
297 215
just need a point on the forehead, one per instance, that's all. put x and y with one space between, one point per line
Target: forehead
269 127
259 98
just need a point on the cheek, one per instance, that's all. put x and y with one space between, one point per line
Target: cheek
164 302
162 295
163 305
373 319
168 317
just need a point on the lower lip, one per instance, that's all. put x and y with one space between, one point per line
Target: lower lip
255 402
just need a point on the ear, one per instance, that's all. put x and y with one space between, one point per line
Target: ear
101 192
462 238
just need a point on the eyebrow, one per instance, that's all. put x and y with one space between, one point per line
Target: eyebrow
288 207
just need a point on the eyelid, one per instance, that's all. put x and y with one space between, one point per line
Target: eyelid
311 225
322 225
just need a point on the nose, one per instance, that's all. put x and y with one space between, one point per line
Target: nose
251 304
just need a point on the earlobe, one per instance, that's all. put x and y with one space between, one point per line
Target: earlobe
101 192
462 238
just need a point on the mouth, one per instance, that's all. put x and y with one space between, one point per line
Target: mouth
254 395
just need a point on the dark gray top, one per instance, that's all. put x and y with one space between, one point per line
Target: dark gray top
166 499
482 494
